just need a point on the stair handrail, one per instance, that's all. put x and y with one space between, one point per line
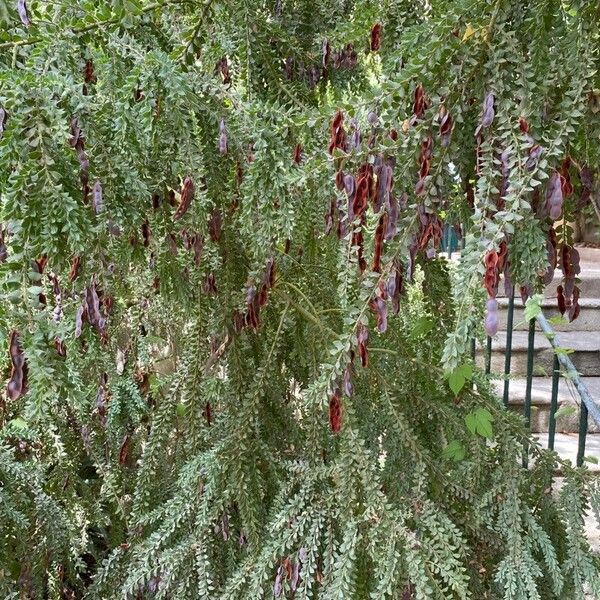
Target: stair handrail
592 407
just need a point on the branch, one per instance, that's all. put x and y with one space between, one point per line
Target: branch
90 27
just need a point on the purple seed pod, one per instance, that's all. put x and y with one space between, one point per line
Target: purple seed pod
491 317
372 118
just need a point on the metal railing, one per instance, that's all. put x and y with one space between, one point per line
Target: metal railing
587 406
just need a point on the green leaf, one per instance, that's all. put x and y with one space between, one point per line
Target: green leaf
565 411
532 307
479 422
454 451
456 381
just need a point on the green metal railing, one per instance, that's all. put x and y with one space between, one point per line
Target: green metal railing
588 406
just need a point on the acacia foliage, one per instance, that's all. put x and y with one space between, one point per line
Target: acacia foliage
227 332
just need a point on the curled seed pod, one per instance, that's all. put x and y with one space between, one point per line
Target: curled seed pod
395 286
384 186
214 225
210 285
207 413
3 119
534 154
252 318
554 196
23 13
222 138
491 317
339 180
74 270
124 450
335 411
92 306
97 202
17 384
198 248
446 125
330 216
575 308
338 134
88 71
80 318
560 298
362 337
358 241
326 51
376 37
419 102
146 233
347 380
487 114
187 194
297 154
379 307
379 235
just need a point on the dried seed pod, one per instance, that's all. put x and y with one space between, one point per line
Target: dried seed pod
17 384
124 451
97 203
297 154
487 114
187 194
338 135
3 119
210 285
335 411
214 225
379 235
379 307
222 137
419 102
362 337
74 270
23 12
491 317
560 298
376 37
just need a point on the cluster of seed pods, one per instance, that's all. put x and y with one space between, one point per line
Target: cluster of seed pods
289 571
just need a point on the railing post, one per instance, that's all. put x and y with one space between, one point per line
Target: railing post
553 402
527 406
583 428
488 355
508 352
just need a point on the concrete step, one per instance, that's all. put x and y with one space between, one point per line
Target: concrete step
586 355
541 392
588 319
565 444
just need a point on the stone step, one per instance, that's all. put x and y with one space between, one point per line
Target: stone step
588 319
565 444
586 355
541 392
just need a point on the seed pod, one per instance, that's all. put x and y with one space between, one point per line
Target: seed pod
297 154
379 307
446 128
124 451
97 203
210 285
214 225
362 337
74 270
335 411
419 102
23 13
491 317
534 154
379 234
347 380
487 115
222 137
338 135
198 248
187 194
560 298
17 384
80 318
207 413
3 119
376 37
